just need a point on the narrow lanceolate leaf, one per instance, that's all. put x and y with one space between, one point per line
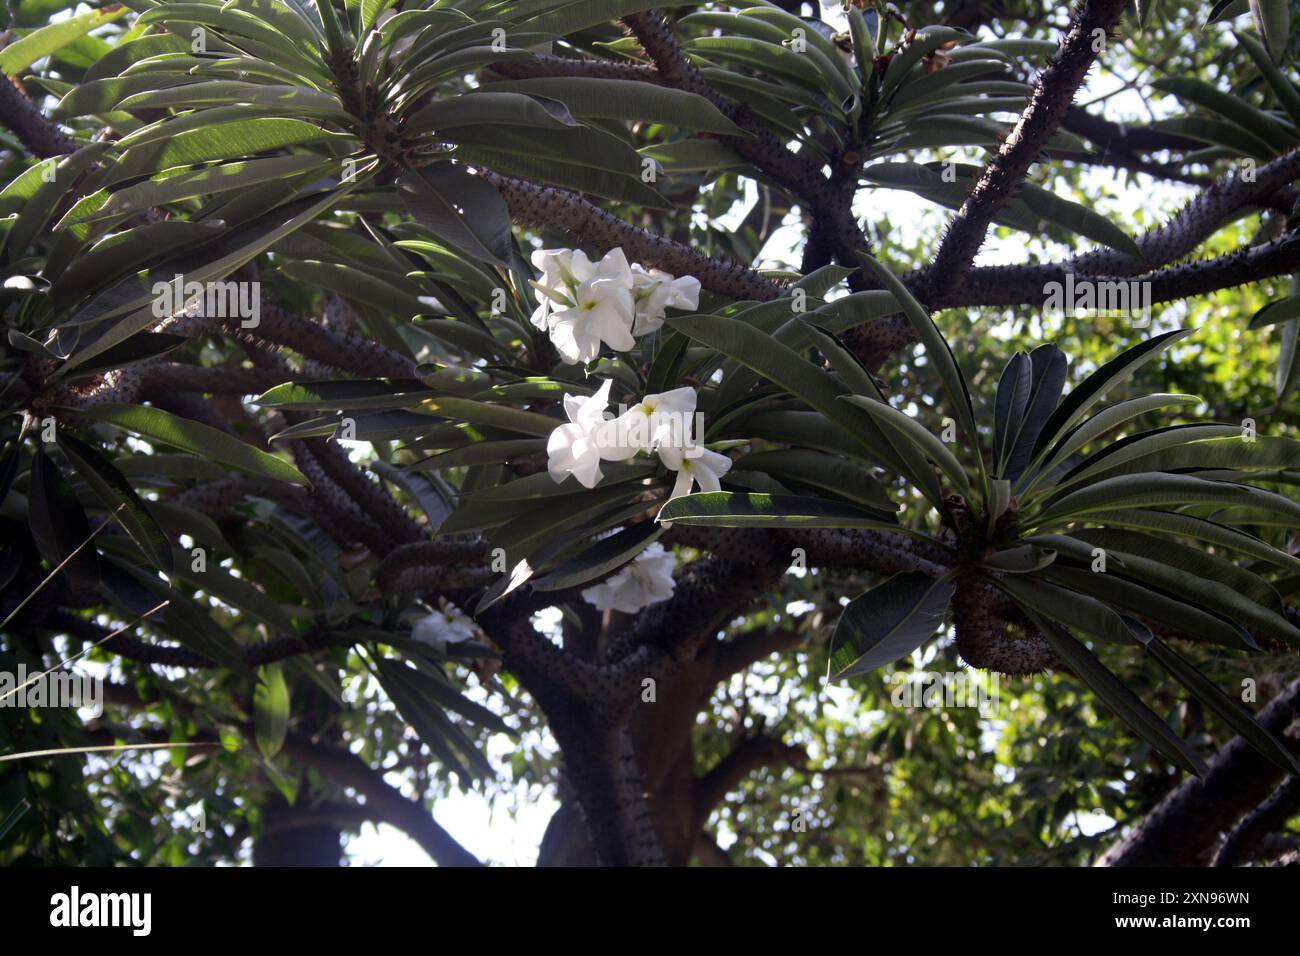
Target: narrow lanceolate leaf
602 558
1283 310
460 209
489 108
1134 452
1047 378
816 469
229 140
888 622
1088 392
1107 420
58 523
1061 604
486 413
404 687
791 371
626 100
1288 361
1273 21
347 394
732 509
271 710
1232 713
1209 593
116 494
1024 559
1077 218
235 592
1227 9
1012 399
208 181
157 425
212 261
1144 722
1192 621
1282 87
1144 10
1193 560
1201 529
936 350
1161 489
925 441
1234 109
293 100
41 43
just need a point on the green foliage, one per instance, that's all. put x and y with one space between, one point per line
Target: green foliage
365 165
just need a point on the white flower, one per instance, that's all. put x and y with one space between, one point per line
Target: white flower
602 312
647 580
694 465
655 420
574 449
582 304
655 291
449 625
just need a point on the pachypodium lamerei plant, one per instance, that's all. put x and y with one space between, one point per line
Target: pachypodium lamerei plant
519 250
1061 528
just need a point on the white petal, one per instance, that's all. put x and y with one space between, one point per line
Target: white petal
611 440
708 479
715 462
592 412
614 266
678 400
684 293
685 481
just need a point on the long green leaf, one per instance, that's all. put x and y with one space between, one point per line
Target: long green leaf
888 622
938 353
25 51
1232 713
117 495
733 509
1112 692
157 425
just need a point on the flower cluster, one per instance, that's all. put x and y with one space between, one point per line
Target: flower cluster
583 303
659 424
647 580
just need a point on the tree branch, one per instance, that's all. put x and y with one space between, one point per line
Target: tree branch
751 754
1183 829
42 137
1242 844
1053 92
171 655
829 201
548 207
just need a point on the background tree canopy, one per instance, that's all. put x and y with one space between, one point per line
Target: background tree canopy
652 413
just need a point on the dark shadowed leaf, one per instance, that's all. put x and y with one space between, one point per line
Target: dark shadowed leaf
888 622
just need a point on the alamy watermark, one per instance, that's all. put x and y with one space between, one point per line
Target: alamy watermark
659 427
57 688
1100 298
133 911
934 689
213 300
